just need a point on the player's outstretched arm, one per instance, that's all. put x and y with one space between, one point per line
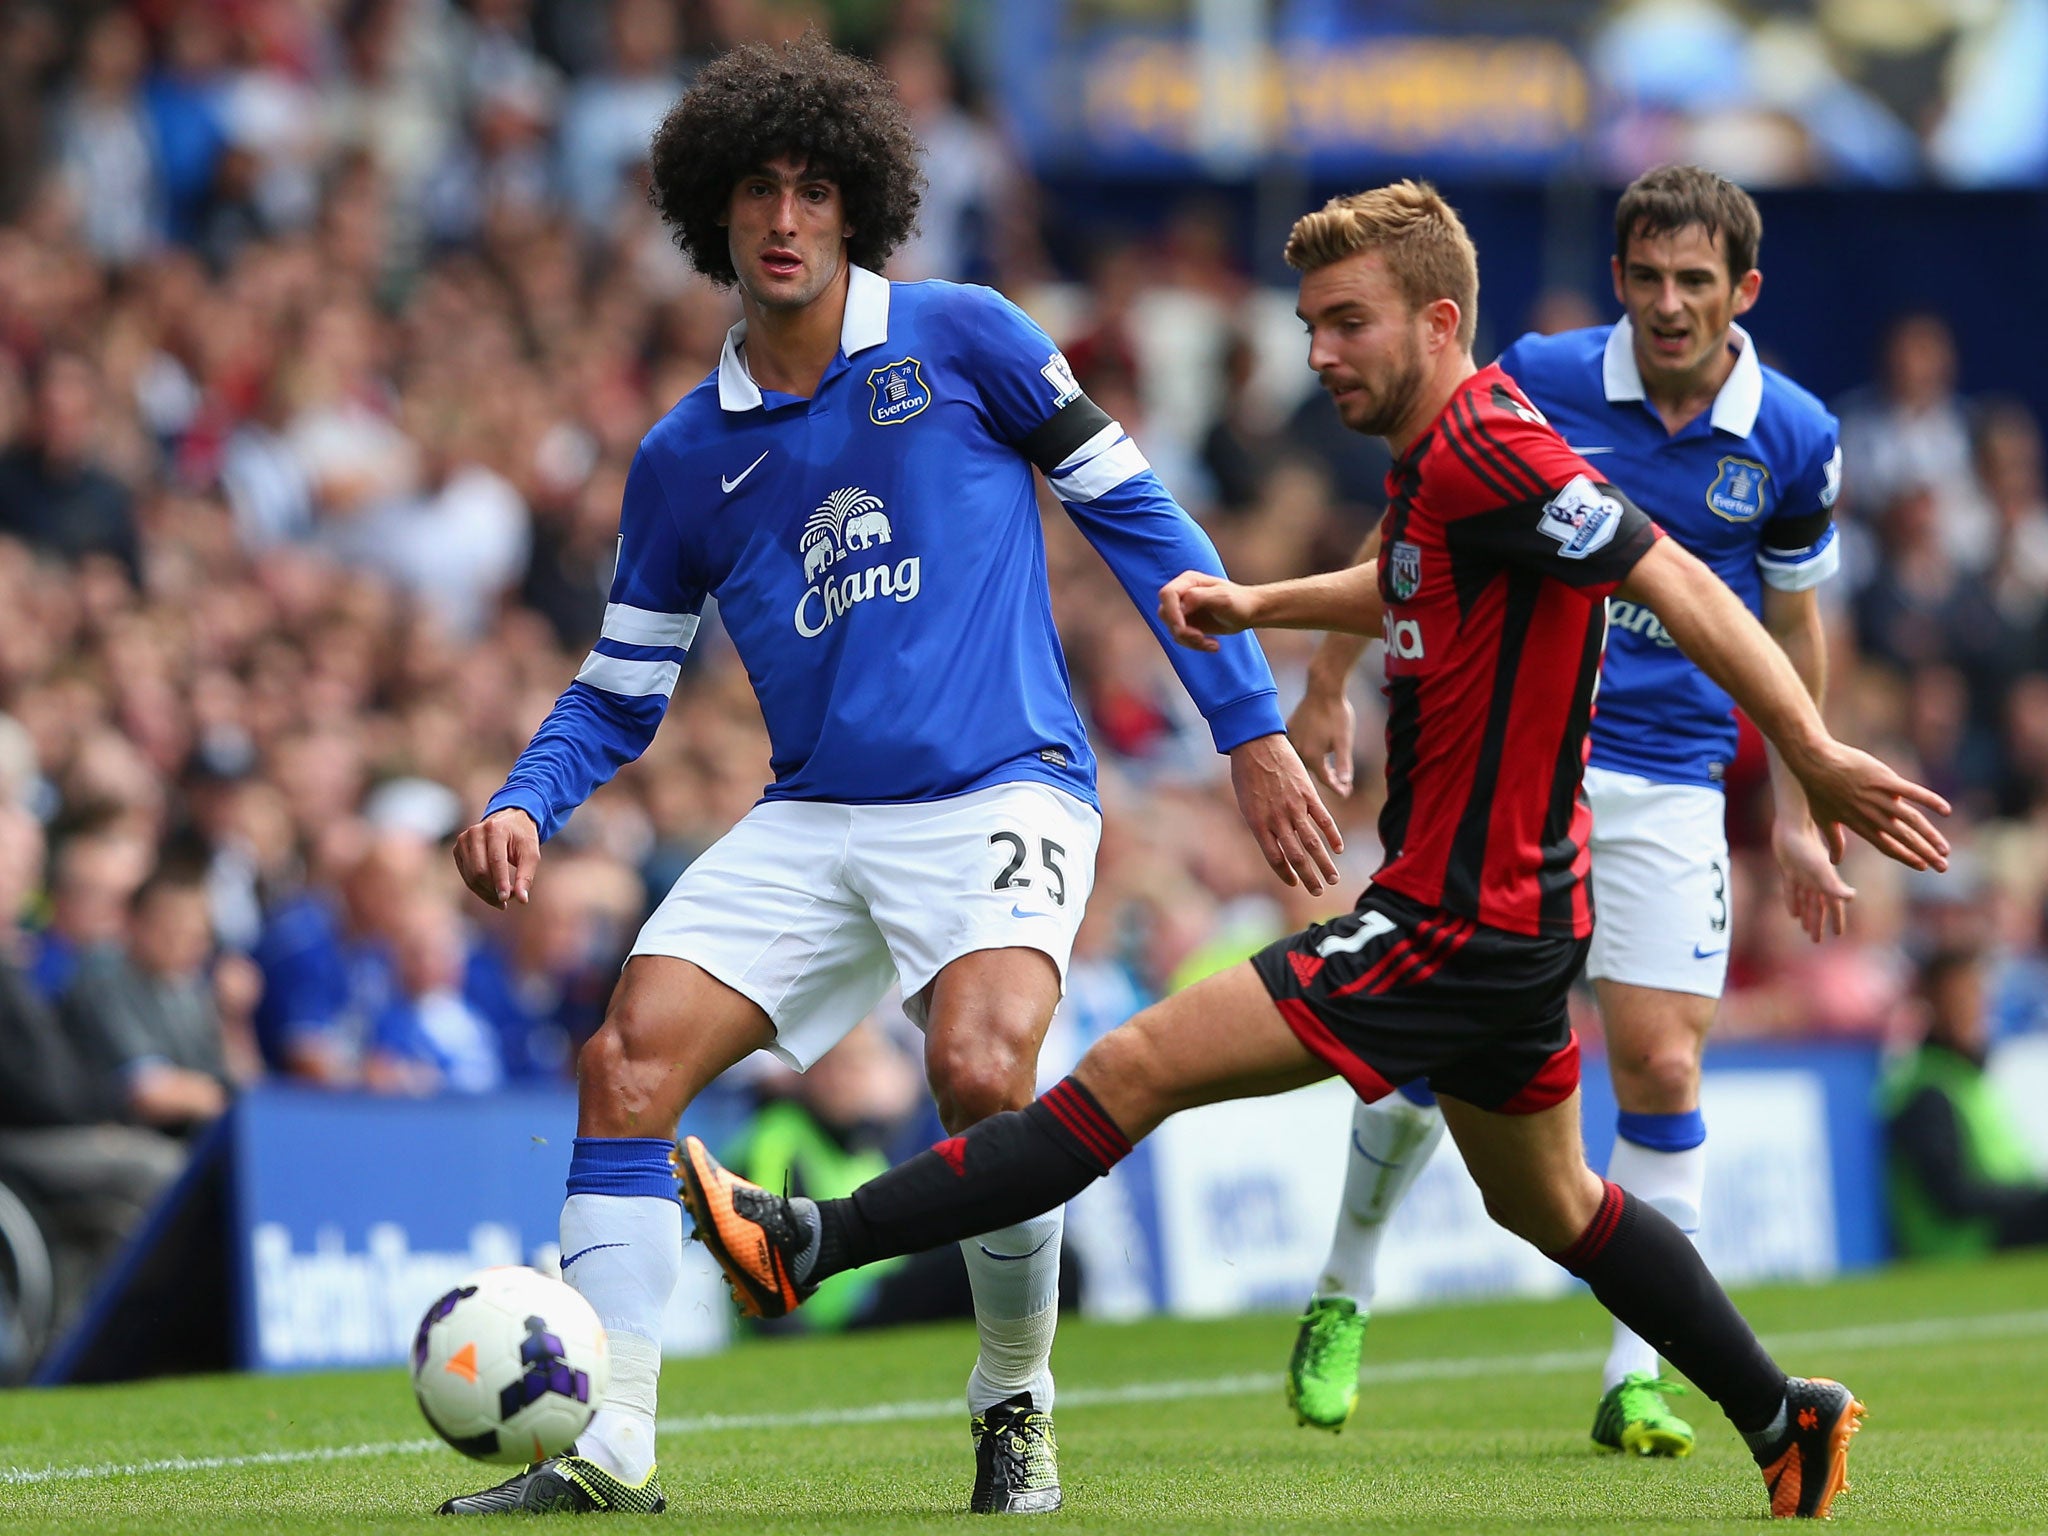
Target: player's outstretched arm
1816 895
498 856
1324 725
1195 606
1845 788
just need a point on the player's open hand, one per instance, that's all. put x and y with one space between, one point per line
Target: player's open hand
1322 728
1196 606
1279 803
498 857
1851 791
1815 893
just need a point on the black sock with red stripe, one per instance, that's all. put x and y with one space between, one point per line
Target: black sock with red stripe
1647 1273
1007 1169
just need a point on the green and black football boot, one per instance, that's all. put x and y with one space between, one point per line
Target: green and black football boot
563 1485
1016 1460
1322 1373
1633 1417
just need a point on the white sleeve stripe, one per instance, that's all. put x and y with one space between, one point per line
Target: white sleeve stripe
1807 571
1101 474
629 679
1107 438
644 626
1766 555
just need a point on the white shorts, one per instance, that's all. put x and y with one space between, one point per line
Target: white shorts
813 909
1660 884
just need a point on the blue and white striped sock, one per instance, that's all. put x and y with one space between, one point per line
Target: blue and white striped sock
622 1248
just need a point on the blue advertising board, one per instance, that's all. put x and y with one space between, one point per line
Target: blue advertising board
353 1212
314 1228
1233 1209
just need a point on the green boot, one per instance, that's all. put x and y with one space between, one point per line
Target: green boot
1322 1375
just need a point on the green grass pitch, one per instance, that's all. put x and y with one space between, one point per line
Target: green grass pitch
1473 1419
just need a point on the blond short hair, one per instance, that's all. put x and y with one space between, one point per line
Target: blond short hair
1419 234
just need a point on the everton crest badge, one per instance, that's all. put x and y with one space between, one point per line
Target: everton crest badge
1737 493
899 392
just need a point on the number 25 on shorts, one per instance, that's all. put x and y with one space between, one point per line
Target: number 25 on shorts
1049 855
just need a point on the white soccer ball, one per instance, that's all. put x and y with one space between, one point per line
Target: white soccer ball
510 1365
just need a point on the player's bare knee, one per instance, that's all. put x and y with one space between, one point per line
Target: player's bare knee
1659 1079
627 1085
973 1079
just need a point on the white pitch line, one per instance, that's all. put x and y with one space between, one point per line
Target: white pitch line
1932 1330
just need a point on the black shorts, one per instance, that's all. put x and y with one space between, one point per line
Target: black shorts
1394 991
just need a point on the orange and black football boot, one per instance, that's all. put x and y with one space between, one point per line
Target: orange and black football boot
755 1236
1809 1465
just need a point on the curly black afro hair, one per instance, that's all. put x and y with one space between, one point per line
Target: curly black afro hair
806 99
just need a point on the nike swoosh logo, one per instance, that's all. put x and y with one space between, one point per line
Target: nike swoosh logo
1586 452
1013 1258
1359 1147
1708 954
733 484
1017 911
582 1252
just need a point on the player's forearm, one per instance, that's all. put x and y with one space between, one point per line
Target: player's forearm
1331 666
587 737
1793 619
1724 640
1346 602
1146 540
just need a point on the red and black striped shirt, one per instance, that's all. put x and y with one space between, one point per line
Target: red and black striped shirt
1499 548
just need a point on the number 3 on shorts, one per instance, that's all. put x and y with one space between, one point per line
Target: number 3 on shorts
1049 855
1370 926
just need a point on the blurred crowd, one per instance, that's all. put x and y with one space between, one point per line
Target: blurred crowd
1789 92
327 332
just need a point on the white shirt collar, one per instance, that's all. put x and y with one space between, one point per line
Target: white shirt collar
865 324
1735 407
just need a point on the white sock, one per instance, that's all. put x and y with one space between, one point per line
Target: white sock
1391 1142
1671 1182
624 1253
1015 1273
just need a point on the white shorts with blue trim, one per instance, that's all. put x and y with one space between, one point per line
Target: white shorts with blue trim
813 910
1661 913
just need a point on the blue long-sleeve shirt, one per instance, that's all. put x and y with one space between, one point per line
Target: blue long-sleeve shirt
877 558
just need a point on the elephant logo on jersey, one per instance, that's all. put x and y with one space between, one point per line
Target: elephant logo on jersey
849 522
899 392
1737 493
1404 570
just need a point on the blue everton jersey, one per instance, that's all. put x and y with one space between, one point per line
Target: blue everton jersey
876 555
1748 486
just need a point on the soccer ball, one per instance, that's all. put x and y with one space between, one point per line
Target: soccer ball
510 1365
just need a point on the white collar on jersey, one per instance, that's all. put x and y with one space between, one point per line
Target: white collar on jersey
1735 408
865 325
